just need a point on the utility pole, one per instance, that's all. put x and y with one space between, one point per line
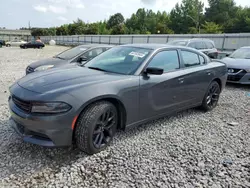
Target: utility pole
197 20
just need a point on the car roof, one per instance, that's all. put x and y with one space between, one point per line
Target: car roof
246 47
94 45
193 39
156 46
151 46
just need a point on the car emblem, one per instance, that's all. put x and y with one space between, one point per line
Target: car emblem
231 70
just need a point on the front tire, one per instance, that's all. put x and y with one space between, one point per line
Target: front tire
211 97
96 127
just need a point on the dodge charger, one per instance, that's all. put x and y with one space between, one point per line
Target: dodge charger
125 86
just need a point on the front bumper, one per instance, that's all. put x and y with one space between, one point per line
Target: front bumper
50 131
239 77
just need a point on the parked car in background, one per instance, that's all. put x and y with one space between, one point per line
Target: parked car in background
32 44
124 86
15 43
2 43
238 64
79 54
206 46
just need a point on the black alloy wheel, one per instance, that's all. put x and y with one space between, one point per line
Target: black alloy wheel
103 131
211 97
96 127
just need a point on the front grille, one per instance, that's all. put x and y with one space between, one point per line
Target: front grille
236 75
29 70
23 105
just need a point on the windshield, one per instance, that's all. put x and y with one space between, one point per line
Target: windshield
178 43
121 60
71 53
242 53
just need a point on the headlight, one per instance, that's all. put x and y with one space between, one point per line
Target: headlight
50 107
44 67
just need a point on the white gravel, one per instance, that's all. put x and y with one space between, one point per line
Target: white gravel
191 149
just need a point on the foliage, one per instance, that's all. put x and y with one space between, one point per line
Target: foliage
222 16
211 27
115 20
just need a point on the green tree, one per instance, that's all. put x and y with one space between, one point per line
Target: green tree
62 30
241 23
211 27
222 12
186 15
115 20
119 29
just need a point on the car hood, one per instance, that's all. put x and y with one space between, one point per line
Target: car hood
237 63
65 78
49 61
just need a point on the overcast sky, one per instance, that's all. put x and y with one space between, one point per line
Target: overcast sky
46 13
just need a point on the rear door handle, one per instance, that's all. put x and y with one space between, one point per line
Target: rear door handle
181 80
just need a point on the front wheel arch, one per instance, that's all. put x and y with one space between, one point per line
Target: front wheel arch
122 114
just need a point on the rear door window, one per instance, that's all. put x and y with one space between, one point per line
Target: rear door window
209 45
190 59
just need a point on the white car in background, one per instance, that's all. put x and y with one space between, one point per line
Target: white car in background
15 43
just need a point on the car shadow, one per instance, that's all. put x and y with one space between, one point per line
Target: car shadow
239 86
24 159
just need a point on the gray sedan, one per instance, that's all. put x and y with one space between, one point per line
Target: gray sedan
78 54
125 86
238 64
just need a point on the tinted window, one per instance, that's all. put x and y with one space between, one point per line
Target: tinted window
197 45
190 59
209 45
178 43
93 53
72 52
202 60
192 45
200 45
167 60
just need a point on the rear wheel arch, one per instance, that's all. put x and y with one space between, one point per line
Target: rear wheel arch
218 81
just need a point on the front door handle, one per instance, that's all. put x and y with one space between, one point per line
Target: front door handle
181 80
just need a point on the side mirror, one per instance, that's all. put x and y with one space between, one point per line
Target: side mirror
154 70
83 58
227 55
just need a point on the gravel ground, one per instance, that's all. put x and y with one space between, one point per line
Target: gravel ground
190 149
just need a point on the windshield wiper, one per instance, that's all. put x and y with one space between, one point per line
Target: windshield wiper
96 68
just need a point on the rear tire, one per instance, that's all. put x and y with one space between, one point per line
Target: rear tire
7 45
211 97
96 127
